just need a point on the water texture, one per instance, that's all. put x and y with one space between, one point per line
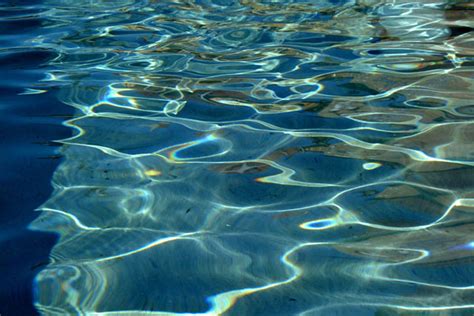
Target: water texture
260 157
28 122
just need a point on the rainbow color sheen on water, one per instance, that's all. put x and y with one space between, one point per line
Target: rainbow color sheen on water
260 157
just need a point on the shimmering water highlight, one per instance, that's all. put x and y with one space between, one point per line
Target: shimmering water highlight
260 158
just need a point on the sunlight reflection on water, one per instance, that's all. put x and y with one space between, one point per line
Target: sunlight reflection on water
261 158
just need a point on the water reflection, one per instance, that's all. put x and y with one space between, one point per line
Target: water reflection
261 158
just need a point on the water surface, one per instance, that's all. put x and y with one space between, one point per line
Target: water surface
260 157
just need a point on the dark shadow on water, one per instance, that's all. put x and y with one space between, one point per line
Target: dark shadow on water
27 165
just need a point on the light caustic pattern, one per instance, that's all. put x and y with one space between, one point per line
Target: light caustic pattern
261 158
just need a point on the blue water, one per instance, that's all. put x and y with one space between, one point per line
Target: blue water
237 157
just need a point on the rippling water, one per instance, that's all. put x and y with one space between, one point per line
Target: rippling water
258 157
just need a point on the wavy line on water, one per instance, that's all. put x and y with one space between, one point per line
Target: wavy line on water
257 158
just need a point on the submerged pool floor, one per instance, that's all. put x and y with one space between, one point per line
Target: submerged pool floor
257 157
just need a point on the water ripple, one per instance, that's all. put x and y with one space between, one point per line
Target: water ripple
260 157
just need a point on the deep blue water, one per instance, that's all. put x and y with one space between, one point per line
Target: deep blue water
29 124
237 157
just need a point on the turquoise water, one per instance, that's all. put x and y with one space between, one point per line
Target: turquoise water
258 157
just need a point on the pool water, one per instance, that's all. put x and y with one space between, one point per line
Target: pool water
216 157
